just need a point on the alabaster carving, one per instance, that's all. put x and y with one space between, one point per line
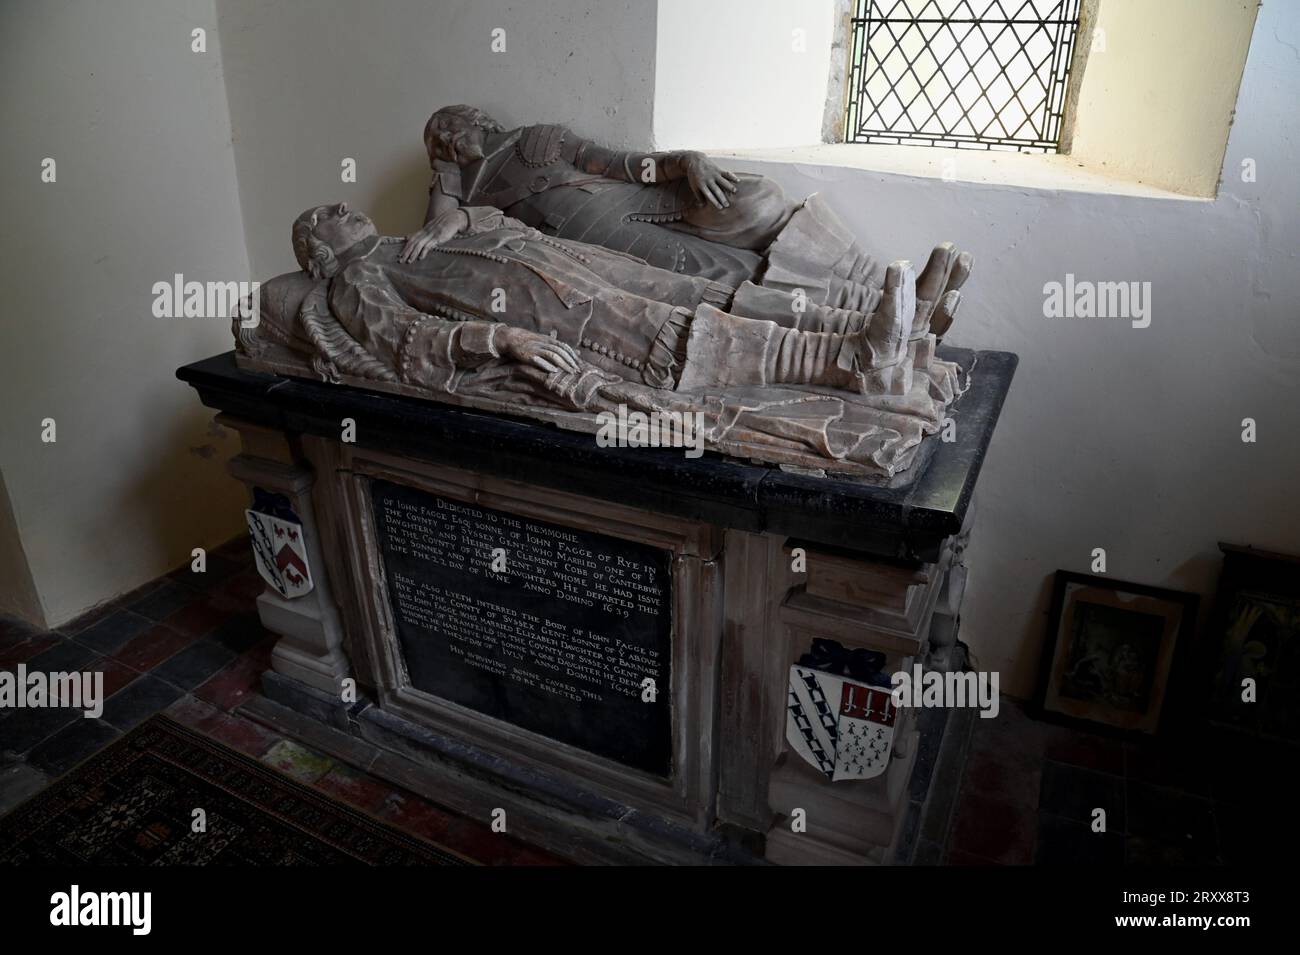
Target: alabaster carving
675 210
558 279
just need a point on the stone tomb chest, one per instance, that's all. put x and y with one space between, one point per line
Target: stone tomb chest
598 641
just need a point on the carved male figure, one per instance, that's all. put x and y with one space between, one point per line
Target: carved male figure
495 289
675 210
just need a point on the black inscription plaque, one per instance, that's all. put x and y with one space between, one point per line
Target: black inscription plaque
559 639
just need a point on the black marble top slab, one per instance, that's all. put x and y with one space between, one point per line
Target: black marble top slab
909 521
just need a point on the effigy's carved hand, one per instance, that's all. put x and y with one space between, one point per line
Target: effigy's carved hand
546 353
434 234
707 181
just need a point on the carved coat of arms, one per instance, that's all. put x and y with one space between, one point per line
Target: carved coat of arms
279 544
842 725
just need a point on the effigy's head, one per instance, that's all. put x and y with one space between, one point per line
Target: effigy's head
323 233
456 134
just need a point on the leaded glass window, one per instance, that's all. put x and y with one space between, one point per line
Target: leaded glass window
972 74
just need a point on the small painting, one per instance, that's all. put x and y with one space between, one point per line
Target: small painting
1255 640
1110 651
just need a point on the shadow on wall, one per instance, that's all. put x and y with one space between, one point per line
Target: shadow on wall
18 595
1026 664
402 196
190 475
120 543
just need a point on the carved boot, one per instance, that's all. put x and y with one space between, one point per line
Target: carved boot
813 358
726 350
883 345
871 359
793 310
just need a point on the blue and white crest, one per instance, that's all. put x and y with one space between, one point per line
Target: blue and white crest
842 727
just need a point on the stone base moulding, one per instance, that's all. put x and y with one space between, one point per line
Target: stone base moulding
621 688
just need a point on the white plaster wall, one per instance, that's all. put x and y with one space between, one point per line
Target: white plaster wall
1116 437
730 74
311 83
139 128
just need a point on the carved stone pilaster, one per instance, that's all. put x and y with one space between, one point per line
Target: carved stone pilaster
946 653
311 634
773 613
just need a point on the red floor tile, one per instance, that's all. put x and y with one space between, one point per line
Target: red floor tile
1008 777
152 647
994 830
23 650
239 593
233 685
242 734
476 839
192 712
1088 751
416 815
197 618
532 856
248 585
355 788
116 675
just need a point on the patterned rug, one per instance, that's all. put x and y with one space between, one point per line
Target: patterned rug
134 803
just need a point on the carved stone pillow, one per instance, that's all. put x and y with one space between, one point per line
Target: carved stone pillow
277 328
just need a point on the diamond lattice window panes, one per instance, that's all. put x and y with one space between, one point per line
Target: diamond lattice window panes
972 74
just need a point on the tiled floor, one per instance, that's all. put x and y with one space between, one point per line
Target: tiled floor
1030 790
191 646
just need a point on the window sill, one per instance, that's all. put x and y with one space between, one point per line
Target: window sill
981 167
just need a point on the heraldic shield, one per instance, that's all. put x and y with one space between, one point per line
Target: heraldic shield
278 544
842 727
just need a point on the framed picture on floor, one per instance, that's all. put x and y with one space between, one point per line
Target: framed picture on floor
1255 643
1110 652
